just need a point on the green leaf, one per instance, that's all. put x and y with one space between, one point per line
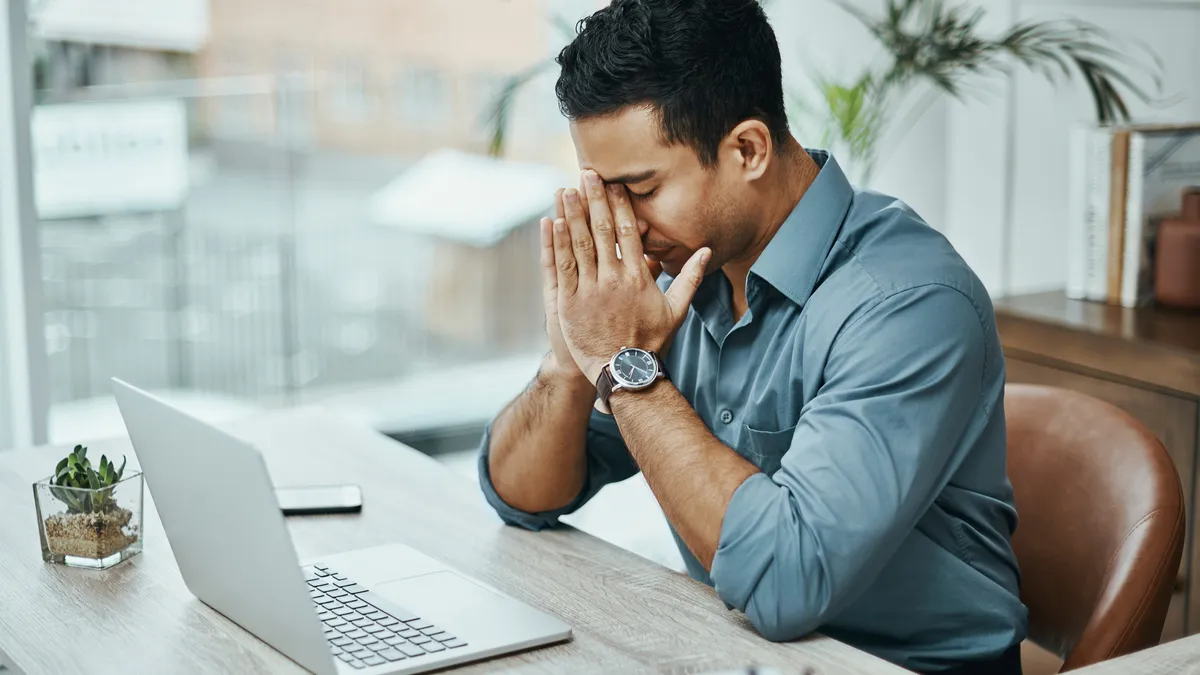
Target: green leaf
93 480
61 465
121 471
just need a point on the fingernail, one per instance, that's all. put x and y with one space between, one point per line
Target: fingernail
592 178
560 225
705 256
572 195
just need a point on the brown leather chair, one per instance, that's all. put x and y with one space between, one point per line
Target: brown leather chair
1100 523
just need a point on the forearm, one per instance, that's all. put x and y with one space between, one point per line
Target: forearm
536 456
692 473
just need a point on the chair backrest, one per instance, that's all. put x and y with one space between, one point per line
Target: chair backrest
1100 523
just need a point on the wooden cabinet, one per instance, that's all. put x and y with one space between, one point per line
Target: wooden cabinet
1146 362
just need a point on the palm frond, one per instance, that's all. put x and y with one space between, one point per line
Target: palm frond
930 40
499 112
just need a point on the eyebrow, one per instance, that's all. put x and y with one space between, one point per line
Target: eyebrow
633 178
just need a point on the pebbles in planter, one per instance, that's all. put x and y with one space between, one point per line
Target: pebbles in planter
90 535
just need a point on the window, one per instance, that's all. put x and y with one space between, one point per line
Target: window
350 91
423 97
272 278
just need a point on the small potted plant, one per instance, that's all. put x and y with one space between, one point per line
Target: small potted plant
89 516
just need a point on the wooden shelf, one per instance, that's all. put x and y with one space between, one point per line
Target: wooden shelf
1156 346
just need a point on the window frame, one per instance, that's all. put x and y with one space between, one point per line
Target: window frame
24 394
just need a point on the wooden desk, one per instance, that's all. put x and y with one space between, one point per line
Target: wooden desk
629 614
1145 361
1180 656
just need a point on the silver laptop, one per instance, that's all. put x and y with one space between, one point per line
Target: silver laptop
387 609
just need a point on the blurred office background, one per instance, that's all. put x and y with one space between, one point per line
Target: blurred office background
244 204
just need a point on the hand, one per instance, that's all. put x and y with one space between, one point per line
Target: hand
560 360
604 302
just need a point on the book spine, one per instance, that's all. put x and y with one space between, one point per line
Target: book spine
1096 222
1134 220
1077 212
1118 192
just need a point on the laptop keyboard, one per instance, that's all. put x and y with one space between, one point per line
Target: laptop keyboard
365 630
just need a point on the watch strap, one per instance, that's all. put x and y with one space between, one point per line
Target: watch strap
604 387
606 383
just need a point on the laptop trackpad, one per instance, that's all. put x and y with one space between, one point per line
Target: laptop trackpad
465 609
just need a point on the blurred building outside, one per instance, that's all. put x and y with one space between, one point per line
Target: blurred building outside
271 281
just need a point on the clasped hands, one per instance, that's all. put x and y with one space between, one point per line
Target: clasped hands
596 302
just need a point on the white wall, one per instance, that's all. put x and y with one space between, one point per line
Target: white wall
1007 172
1042 116
991 172
816 36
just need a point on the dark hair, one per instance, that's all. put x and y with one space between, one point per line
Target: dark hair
704 66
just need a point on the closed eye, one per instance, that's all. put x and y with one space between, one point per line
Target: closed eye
642 195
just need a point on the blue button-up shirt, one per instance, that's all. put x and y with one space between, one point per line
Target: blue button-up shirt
866 382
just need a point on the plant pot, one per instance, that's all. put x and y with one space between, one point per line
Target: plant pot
95 529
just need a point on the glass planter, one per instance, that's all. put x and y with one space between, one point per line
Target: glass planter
90 528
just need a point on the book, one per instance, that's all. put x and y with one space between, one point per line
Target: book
1077 211
1090 215
1118 196
1163 161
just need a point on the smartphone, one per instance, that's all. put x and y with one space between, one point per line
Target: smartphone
318 499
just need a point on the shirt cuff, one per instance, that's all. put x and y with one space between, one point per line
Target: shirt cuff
746 543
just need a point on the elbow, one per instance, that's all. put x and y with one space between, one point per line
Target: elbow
781 607
783 624
525 521
510 515
761 566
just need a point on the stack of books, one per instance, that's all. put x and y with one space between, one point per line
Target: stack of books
1124 179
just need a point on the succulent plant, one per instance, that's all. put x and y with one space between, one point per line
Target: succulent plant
76 471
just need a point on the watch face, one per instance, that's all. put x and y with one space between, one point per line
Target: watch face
634 367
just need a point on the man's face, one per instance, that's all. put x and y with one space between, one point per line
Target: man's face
681 206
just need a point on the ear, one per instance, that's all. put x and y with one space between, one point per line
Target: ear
751 147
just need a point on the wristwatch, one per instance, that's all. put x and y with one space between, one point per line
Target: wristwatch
630 369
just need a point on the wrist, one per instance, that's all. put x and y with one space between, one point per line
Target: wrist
626 399
567 376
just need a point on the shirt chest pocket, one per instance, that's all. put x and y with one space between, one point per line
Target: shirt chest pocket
765 449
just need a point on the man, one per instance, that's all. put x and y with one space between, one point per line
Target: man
828 443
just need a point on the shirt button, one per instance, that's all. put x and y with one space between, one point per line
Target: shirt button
726 417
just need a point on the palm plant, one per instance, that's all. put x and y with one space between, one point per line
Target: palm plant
938 47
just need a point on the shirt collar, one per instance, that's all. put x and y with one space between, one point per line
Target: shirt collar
796 254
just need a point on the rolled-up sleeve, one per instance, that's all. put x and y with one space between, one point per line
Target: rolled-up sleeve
608 461
870 453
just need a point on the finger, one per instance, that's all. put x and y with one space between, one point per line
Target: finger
566 267
679 295
602 224
628 236
654 266
583 194
549 273
581 239
558 205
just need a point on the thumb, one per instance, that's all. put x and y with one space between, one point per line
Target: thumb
679 295
655 267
